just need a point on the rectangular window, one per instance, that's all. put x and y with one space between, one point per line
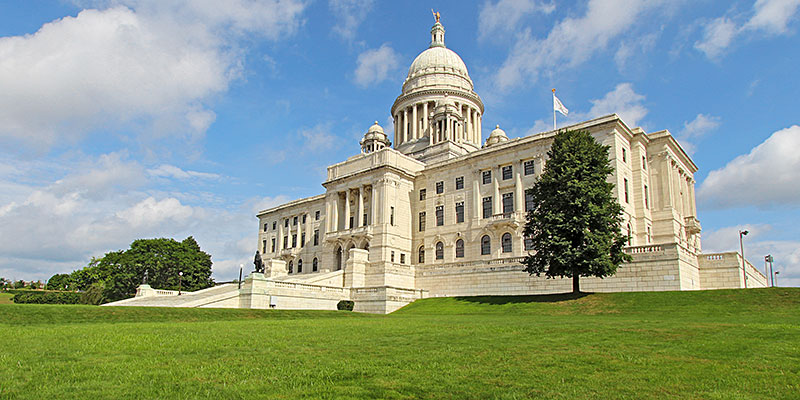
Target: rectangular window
422 193
487 177
529 167
391 216
294 240
439 215
392 256
316 215
294 221
507 172
274 225
487 207
364 219
286 223
422 221
352 218
402 258
439 187
316 237
265 227
624 156
644 163
286 242
626 190
304 218
460 212
508 203
459 183
528 201
646 198
303 239
528 243
273 245
264 246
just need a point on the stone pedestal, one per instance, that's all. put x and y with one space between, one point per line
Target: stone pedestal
355 268
275 267
253 293
144 290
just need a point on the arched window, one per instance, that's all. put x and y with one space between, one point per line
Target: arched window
314 265
299 265
459 248
439 251
506 241
291 266
421 256
338 258
486 245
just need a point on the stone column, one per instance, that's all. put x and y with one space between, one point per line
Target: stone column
476 197
279 242
370 214
300 231
347 208
335 213
405 125
469 125
396 128
357 220
424 119
518 191
415 126
496 206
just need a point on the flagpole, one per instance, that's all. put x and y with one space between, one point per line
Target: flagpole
554 109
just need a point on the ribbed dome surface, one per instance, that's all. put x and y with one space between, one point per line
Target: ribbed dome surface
437 60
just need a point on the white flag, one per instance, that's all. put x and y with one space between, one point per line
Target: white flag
557 106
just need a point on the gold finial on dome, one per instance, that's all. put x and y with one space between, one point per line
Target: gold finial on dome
436 15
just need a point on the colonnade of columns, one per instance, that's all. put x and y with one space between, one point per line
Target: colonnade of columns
363 214
414 122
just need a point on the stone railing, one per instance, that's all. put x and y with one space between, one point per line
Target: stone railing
651 248
357 231
309 287
160 292
498 261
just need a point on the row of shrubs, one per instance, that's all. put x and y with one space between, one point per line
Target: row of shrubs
31 297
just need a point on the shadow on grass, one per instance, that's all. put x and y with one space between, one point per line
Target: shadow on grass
536 298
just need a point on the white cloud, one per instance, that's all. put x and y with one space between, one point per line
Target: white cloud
767 176
154 65
770 17
318 138
624 101
786 253
151 212
171 171
633 47
349 14
572 41
698 127
717 36
503 17
374 65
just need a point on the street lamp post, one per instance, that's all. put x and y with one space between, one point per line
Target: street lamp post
741 248
768 260
180 281
775 280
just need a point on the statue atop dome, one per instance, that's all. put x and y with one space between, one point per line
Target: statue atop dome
436 15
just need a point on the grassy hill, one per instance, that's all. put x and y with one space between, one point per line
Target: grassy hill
742 344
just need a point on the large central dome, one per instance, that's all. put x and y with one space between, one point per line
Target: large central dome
437 66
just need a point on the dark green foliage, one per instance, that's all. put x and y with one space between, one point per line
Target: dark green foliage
19 284
95 295
39 297
575 224
346 305
120 272
60 282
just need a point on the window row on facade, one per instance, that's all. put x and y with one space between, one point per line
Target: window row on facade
506 246
314 265
487 210
286 244
294 220
506 172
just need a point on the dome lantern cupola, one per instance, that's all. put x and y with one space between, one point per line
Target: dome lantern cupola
374 139
437 35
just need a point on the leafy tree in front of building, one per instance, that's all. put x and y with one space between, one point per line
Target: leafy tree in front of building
575 224
60 282
118 273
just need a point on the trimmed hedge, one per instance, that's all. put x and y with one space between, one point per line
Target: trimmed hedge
37 297
346 305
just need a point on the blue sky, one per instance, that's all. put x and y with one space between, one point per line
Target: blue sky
140 118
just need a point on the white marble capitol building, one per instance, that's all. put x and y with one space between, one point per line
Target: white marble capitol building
431 209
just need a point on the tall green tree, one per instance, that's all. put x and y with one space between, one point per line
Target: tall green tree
576 221
60 282
119 273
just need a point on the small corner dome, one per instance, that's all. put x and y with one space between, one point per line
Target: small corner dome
375 128
497 136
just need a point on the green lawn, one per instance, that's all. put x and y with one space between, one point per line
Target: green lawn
5 298
727 344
